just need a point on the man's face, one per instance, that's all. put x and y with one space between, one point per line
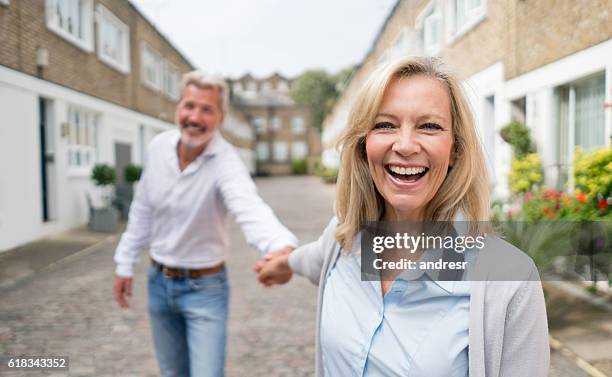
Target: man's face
198 116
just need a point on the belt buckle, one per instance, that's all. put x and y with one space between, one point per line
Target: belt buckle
172 273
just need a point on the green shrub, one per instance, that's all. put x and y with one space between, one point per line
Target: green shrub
132 173
299 166
329 174
525 173
519 137
103 175
593 172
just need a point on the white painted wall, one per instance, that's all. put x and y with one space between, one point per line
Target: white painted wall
484 84
538 87
20 160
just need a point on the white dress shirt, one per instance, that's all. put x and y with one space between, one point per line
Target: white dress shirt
182 216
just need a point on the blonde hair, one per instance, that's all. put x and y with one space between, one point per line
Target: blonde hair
465 187
204 80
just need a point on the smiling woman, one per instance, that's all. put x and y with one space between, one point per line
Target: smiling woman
410 117
411 153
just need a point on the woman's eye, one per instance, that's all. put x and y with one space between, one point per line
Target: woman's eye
431 126
383 125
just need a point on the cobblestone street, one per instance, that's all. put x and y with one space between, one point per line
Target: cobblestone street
69 309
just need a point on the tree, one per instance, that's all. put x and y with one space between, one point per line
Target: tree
315 89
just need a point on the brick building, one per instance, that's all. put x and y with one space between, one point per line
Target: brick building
81 82
283 129
546 63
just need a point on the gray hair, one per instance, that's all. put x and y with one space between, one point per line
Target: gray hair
205 80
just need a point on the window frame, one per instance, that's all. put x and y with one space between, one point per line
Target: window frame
275 155
73 142
302 128
146 48
105 15
432 12
299 142
86 43
474 16
276 123
259 125
262 146
171 70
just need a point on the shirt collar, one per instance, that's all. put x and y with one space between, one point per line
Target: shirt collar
429 274
413 275
214 146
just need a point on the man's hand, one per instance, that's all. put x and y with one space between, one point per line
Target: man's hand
122 288
275 270
259 264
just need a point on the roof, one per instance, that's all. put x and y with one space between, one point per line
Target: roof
270 99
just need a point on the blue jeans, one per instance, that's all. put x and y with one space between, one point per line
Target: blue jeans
189 323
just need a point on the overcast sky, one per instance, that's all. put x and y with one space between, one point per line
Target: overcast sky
233 37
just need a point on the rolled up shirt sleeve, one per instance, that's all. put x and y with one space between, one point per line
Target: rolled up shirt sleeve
260 226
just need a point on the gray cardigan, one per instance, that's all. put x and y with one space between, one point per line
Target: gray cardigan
508 333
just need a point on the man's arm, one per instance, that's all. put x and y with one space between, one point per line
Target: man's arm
306 261
260 226
134 239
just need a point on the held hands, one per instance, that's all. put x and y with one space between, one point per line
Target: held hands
274 268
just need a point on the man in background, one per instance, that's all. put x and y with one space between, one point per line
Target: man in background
192 178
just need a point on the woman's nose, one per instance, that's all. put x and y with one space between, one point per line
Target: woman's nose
406 143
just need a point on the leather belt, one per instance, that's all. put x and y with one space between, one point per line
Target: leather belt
186 273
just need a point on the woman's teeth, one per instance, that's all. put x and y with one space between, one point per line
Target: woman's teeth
404 171
412 174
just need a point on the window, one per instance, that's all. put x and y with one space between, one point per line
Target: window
81 135
429 27
297 125
252 86
259 125
263 151
282 86
171 80
237 87
72 20
151 68
275 123
581 118
299 150
113 40
266 87
281 151
465 14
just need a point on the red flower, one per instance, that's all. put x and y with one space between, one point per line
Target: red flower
602 203
550 194
581 197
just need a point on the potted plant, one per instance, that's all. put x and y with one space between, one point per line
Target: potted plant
104 218
299 166
125 193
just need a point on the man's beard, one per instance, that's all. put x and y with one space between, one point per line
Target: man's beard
191 141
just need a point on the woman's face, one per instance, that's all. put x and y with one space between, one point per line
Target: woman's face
409 146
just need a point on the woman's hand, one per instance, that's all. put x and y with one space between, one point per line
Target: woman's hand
274 270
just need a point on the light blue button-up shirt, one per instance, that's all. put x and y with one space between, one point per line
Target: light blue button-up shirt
419 328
